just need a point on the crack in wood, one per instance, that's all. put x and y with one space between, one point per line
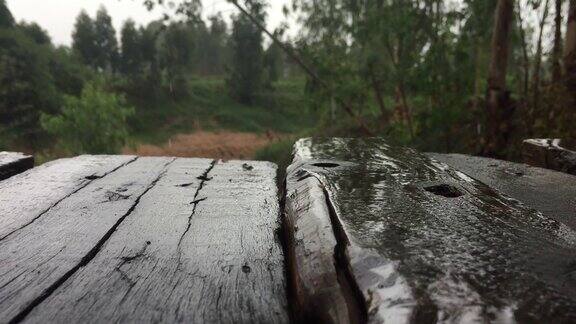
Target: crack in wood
357 306
82 186
91 254
204 178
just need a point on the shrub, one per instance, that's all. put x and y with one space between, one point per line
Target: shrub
93 123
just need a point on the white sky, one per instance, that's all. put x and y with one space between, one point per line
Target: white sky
58 16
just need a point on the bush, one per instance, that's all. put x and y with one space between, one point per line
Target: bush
93 123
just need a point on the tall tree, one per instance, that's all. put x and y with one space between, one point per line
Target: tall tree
131 52
34 31
215 48
247 64
106 42
273 62
498 105
6 18
176 53
570 48
84 39
557 49
26 85
538 62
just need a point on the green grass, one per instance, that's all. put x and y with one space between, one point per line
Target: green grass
209 107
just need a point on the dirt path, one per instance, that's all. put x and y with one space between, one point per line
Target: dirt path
222 145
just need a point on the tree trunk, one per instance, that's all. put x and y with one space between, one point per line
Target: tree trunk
498 108
384 115
557 49
537 67
570 49
406 110
525 63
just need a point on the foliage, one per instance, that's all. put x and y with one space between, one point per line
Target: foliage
26 85
93 123
84 39
131 57
273 63
6 18
95 40
35 32
247 64
177 46
106 43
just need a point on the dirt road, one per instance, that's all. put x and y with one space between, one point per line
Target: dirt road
222 145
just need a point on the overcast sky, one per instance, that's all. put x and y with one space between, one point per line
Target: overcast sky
58 16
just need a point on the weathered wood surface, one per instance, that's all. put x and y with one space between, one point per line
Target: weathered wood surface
550 192
27 196
417 241
317 293
155 240
554 154
12 163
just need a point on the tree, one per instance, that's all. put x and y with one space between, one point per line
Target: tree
26 86
84 40
6 18
105 41
210 57
498 105
35 32
131 56
93 123
273 63
247 64
570 48
176 52
557 49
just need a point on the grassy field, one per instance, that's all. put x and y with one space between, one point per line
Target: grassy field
210 108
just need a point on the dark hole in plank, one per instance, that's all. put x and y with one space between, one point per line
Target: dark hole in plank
326 165
444 190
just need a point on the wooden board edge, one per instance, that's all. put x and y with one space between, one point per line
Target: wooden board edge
21 163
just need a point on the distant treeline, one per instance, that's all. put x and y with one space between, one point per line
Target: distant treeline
52 94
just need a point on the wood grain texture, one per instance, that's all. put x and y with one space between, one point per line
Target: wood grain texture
422 242
318 294
41 256
28 196
550 192
554 154
199 247
12 163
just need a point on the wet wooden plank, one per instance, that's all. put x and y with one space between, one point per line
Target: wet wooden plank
554 154
28 196
421 242
317 293
199 247
37 259
547 191
12 163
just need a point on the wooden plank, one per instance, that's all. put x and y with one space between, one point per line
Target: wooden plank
200 247
420 242
28 196
12 163
547 191
37 259
318 295
554 154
